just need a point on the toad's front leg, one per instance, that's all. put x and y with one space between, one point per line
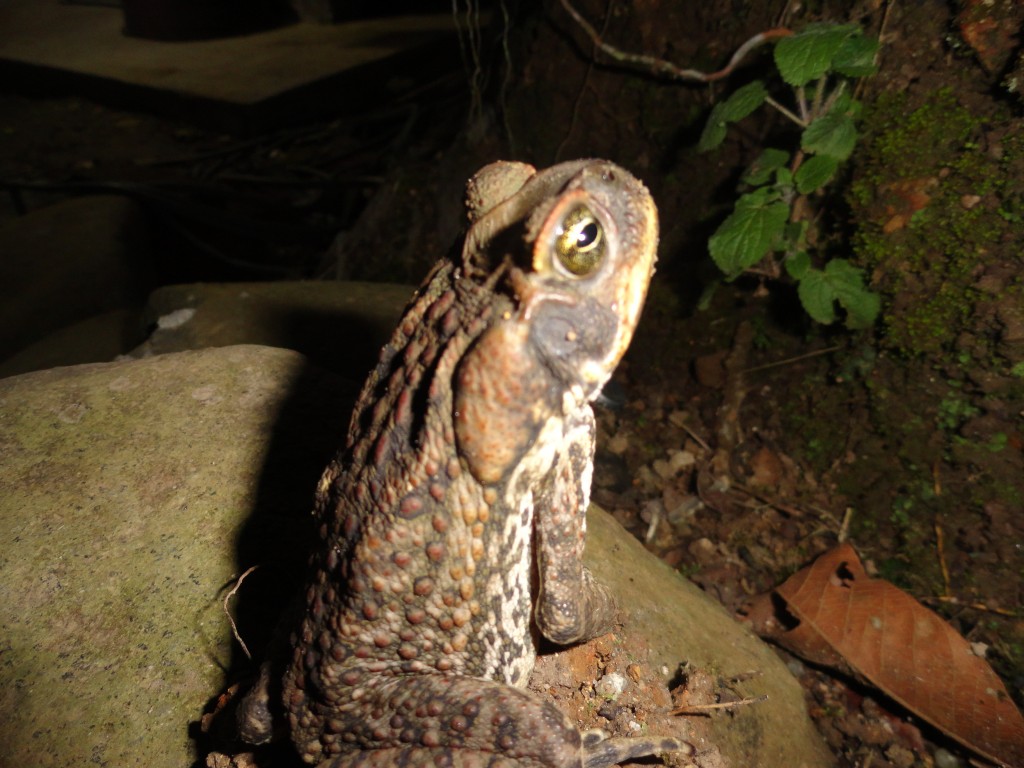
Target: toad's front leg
571 606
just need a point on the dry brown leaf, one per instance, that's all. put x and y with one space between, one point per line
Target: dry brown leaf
907 651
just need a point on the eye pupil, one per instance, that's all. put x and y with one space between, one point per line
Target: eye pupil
586 235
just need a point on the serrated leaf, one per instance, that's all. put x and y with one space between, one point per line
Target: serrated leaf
843 102
714 130
817 296
840 281
833 134
856 56
797 265
758 197
795 235
808 55
861 304
747 234
743 101
814 173
761 170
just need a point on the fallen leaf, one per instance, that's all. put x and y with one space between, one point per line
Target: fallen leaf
887 638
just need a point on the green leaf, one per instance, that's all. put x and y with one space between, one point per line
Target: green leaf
808 54
798 264
815 173
707 295
748 233
743 101
843 103
761 170
817 296
856 56
759 197
840 281
861 305
833 134
714 130
795 233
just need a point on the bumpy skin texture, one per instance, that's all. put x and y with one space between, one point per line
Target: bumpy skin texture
452 523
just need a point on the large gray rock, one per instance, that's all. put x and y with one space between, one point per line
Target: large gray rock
135 491
129 490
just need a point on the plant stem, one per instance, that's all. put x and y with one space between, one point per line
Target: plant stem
801 102
667 68
819 94
787 113
832 97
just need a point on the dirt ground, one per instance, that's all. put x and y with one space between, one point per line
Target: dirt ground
740 441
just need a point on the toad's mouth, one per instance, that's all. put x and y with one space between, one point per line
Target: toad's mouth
576 338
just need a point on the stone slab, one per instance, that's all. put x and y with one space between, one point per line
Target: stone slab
228 82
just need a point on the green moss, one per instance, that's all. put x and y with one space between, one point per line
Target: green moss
910 142
924 200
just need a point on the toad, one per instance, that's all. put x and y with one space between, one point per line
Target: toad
451 525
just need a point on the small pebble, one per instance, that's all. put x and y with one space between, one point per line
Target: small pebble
611 685
945 759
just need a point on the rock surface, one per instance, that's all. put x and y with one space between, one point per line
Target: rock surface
339 326
136 491
97 339
129 490
683 626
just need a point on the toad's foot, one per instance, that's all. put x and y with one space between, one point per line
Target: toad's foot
431 720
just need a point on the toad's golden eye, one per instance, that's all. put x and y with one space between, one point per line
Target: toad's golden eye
580 242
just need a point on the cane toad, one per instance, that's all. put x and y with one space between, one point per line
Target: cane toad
452 523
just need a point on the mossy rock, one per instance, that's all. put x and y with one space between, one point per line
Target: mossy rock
136 491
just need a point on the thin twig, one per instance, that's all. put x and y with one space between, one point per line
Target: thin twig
697 438
700 709
582 89
227 611
652 527
791 360
768 500
844 527
781 19
862 82
949 600
667 68
940 547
